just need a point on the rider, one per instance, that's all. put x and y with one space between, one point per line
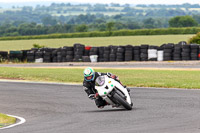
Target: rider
89 85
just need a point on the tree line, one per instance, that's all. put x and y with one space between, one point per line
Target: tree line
40 20
36 29
71 14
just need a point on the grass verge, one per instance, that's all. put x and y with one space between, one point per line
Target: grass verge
6 120
94 41
130 77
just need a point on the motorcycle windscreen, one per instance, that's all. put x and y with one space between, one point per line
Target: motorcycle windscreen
100 81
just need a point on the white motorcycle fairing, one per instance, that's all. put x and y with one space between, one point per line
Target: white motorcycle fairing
105 89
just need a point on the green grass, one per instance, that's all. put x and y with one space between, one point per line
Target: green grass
6 120
94 41
130 77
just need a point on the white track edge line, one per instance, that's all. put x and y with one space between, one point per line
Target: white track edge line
22 120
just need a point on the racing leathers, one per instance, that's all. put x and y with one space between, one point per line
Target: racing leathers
89 87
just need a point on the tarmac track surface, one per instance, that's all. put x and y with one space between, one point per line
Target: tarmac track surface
51 108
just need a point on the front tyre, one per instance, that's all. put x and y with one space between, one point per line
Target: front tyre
122 101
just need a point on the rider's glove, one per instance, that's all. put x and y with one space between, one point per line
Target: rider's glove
93 96
113 76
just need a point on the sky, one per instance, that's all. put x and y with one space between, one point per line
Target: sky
112 1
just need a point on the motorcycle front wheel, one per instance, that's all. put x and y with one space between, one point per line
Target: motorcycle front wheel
122 101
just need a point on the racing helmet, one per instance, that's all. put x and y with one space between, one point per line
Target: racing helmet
89 74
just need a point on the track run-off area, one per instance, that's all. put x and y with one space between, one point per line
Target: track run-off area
64 108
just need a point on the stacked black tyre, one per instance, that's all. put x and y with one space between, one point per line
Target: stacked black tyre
144 52
86 55
31 56
113 51
120 53
3 56
47 55
87 50
106 54
64 54
94 51
168 52
24 52
78 52
86 59
101 54
186 52
182 43
177 52
194 52
136 53
59 55
39 54
54 55
128 53
69 54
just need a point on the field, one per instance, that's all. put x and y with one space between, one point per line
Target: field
131 77
95 41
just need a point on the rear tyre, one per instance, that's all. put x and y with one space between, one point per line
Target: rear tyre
122 101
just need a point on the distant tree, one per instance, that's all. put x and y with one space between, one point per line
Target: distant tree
182 21
68 4
62 19
49 21
27 8
99 21
85 19
102 27
126 5
11 29
69 28
17 23
119 26
149 21
197 18
109 26
115 4
99 8
82 28
127 9
133 25
117 17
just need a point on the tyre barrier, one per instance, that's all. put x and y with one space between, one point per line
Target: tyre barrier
81 53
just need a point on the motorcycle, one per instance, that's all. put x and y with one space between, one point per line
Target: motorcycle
113 92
